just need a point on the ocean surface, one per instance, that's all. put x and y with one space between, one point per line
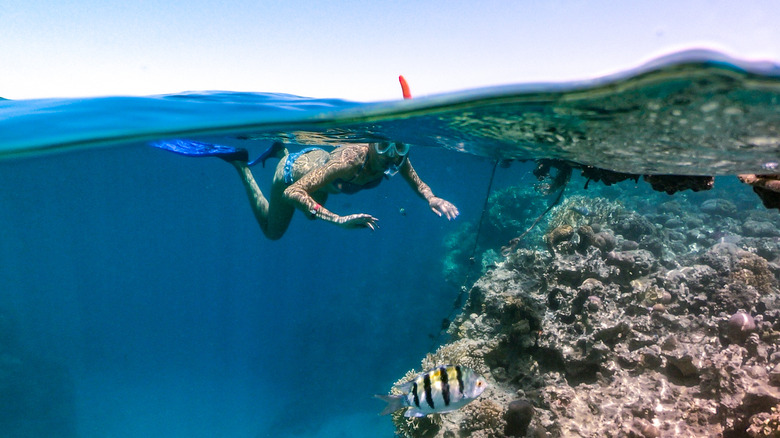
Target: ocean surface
138 296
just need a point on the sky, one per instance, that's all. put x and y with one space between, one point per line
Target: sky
354 50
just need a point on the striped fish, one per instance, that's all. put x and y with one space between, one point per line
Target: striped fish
442 389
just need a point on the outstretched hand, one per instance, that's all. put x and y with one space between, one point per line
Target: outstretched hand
358 221
443 208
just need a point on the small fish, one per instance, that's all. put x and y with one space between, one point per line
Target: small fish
436 391
581 209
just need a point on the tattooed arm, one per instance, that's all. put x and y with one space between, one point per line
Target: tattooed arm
438 205
343 164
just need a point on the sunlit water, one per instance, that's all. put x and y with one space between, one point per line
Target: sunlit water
138 296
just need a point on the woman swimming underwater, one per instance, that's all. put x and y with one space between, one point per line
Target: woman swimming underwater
304 180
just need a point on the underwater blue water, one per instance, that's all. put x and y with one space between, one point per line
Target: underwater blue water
145 276
138 296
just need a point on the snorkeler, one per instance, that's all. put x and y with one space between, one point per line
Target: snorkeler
304 180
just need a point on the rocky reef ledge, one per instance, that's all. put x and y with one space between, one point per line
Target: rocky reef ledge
624 325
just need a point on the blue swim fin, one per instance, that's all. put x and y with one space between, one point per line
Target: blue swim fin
197 149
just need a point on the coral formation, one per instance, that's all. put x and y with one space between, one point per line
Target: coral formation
765 424
657 320
673 184
767 187
518 416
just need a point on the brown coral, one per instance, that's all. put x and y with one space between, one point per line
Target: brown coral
765 424
769 182
465 352
767 187
754 270
558 234
676 183
483 419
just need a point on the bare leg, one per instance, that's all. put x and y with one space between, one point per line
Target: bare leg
273 216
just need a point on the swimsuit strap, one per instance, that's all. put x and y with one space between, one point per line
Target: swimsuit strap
290 161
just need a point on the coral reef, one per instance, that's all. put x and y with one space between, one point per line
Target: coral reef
625 322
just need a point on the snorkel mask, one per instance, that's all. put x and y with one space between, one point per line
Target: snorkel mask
392 150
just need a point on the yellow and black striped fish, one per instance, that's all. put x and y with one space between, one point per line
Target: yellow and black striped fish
441 389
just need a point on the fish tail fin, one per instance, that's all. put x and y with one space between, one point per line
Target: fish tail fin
394 403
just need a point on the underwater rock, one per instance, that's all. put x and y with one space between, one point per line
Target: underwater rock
633 226
769 249
740 326
683 363
759 229
594 303
628 245
607 177
774 375
673 183
586 234
643 429
605 240
720 207
633 263
769 198
767 187
670 343
674 223
722 256
518 417
672 207
693 222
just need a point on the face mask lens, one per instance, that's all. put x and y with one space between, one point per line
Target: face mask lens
402 148
383 147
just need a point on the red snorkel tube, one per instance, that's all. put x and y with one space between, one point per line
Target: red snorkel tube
405 87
